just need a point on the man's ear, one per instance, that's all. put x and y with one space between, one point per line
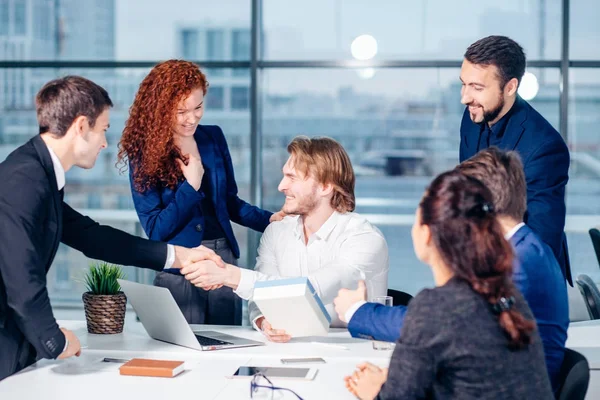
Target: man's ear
81 125
326 189
427 234
511 87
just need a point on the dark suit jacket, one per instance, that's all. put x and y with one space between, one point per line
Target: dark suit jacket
546 161
175 216
538 276
33 220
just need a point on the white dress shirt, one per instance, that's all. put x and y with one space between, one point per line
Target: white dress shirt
346 249
514 230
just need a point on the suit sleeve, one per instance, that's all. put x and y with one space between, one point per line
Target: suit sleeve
240 211
377 322
24 273
159 222
547 172
105 243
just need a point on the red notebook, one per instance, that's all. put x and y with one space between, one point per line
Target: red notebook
147 367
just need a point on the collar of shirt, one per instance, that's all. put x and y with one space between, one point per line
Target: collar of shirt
514 230
497 130
59 171
323 231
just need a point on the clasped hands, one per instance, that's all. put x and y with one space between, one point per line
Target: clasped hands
202 267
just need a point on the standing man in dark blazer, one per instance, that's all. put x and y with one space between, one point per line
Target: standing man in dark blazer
73 116
496 116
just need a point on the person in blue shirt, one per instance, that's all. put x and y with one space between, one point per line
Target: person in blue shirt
536 272
183 184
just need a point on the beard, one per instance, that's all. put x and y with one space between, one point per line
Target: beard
492 114
304 204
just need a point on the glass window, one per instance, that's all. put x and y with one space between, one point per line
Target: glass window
399 136
189 44
240 98
215 98
20 8
240 48
430 30
583 207
584 31
215 49
4 20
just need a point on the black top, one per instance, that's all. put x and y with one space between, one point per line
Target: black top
212 227
452 347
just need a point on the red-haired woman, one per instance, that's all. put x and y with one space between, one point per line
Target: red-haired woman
473 336
183 185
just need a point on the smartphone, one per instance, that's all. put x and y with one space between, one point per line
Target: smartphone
277 372
318 360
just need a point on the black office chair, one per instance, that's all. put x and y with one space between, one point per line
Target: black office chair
591 295
595 235
399 298
574 377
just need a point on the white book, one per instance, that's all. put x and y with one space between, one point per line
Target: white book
292 305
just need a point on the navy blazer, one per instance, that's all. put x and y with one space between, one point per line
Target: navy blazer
175 216
546 162
536 274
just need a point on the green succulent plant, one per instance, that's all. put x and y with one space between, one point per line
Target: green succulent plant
102 277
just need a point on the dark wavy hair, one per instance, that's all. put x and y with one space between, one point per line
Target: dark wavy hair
147 142
459 212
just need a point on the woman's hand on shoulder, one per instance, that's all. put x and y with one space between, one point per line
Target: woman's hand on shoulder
278 216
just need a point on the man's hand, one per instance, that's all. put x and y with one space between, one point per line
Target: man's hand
274 335
208 275
346 298
366 382
278 216
185 256
74 347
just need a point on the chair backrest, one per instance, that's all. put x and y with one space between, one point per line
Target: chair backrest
595 235
400 298
574 376
591 295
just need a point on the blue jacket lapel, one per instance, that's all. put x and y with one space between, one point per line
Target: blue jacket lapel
515 126
206 147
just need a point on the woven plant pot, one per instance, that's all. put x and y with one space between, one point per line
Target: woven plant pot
105 314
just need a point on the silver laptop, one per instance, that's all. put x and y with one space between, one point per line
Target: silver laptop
163 320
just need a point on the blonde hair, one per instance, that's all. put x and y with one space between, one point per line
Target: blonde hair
327 161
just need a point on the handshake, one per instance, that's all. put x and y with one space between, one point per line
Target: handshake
205 269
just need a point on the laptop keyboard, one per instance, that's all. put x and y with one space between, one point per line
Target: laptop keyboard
206 341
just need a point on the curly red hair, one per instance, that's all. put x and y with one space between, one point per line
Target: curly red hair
147 142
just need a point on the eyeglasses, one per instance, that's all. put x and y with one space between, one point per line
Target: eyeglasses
262 388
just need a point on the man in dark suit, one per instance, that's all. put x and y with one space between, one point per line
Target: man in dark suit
73 115
496 116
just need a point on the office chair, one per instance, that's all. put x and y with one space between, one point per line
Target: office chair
595 235
591 295
573 377
399 298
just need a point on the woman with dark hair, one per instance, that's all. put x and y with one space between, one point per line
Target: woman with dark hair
473 336
183 185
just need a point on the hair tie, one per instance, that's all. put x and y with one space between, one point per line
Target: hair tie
481 210
503 304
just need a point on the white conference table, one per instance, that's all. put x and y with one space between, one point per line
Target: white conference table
205 377
87 377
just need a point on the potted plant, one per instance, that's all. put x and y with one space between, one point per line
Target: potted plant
104 302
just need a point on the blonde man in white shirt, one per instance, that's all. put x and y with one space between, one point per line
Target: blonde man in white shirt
321 238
